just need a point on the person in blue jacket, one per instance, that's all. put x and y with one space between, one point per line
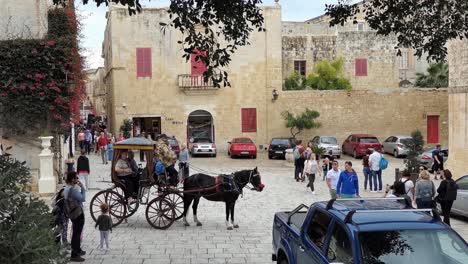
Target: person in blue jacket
348 183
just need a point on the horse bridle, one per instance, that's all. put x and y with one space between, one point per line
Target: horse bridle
253 188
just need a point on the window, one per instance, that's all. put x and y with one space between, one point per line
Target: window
317 230
339 249
404 60
198 67
368 140
249 120
463 183
143 56
300 67
361 67
360 26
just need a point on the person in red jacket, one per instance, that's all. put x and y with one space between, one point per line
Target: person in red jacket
102 146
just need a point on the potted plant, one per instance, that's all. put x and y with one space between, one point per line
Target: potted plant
415 148
319 151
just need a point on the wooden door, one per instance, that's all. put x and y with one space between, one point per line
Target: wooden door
432 129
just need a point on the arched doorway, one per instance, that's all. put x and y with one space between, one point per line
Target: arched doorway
200 125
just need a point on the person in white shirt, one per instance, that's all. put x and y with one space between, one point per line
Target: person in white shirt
409 185
374 164
332 179
311 168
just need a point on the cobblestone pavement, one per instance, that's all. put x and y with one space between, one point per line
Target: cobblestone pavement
137 242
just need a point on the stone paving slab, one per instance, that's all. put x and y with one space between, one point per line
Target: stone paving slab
137 242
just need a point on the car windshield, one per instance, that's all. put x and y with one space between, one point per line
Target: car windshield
202 140
368 140
242 140
280 141
329 140
412 246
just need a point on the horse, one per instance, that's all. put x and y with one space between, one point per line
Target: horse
223 188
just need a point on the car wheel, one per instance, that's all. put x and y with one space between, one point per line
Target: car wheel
229 153
254 156
270 156
355 154
338 157
395 154
214 155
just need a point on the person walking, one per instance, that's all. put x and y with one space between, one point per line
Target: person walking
447 194
438 165
348 183
104 222
367 170
121 138
102 146
326 166
88 140
75 195
83 170
81 138
311 168
409 185
183 163
298 160
142 153
425 191
332 179
374 164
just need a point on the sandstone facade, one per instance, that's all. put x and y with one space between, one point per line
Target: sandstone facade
96 91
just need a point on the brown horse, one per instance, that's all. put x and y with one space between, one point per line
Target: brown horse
223 188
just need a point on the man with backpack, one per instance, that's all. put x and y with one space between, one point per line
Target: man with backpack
376 172
299 160
408 183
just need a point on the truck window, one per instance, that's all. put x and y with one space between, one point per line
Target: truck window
339 249
317 230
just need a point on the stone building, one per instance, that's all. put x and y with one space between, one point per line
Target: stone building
96 92
150 83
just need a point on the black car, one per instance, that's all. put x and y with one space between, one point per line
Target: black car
279 145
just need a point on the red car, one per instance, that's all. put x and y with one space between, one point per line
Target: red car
357 144
242 147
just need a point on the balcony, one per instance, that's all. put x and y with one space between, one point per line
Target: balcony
193 84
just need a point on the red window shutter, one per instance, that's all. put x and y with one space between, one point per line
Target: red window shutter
360 67
249 120
144 66
197 67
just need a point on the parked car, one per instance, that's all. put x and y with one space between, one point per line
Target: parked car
329 143
364 231
460 205
279 145
357 144
203 146
425 159
396 145
174 145
242 147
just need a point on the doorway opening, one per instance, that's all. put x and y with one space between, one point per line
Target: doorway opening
150 125
200 125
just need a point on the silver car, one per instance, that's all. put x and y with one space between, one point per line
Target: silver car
329 143
426 160
396 145
460 205
203 146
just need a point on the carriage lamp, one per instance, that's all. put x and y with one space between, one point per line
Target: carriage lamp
274 95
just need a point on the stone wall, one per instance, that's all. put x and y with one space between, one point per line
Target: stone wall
381 114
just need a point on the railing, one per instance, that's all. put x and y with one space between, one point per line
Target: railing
195 82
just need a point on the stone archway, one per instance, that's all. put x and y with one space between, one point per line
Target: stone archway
200 125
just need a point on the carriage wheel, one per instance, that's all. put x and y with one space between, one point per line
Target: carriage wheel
116 202
160 213
131 208
177 202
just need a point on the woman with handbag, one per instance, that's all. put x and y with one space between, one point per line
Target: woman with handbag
447 194
75 195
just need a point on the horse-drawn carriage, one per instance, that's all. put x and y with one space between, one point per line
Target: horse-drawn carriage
161 211
169 204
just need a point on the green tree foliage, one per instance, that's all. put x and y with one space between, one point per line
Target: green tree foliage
26 234
126 128
225 26
304 120
295 82
415 147
328 75
424 25
437 76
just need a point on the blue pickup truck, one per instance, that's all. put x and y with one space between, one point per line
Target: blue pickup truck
367 230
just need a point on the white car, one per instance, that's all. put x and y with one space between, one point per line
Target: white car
203 146
329 143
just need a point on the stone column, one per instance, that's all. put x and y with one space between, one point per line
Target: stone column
47 182
458 108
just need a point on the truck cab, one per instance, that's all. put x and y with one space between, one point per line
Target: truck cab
364 230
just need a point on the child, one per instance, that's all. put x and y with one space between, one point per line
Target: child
310 169
105 225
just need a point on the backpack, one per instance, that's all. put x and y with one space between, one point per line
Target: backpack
383 164
296 153
427 193
451 193
72 208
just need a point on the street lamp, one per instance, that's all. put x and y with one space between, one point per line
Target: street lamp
274 95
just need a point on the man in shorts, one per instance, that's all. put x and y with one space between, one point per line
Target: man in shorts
438 164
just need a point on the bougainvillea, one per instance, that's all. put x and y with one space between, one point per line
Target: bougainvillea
41 81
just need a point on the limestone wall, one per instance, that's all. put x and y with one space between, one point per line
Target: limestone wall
381 114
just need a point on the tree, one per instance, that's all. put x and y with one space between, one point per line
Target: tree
295 82
304 120
328 75
26 234
415 146
437 76
217 27
424 25
126 128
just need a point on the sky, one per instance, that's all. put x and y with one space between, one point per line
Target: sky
94 21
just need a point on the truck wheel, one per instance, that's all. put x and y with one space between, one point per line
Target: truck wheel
283 261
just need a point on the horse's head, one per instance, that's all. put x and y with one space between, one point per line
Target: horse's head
256 180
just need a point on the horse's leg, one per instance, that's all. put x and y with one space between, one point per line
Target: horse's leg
232 215
195 206
187 201
228 211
